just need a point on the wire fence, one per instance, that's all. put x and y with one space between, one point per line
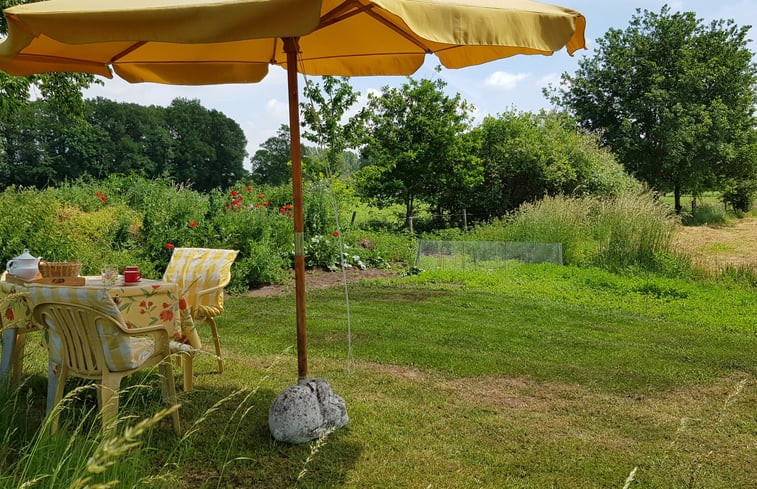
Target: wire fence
471 255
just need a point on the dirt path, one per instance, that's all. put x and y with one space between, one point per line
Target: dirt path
321 279
717 247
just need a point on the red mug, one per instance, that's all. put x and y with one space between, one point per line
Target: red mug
132 275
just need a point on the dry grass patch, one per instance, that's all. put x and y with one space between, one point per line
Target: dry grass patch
717 247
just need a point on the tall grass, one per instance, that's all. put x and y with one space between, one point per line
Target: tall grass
557 219
140 454
706 213
634 230
629 230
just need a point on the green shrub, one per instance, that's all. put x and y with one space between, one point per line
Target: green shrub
706 214
380 249
740 195
322 251
31 220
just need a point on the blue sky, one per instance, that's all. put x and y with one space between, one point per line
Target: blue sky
492 88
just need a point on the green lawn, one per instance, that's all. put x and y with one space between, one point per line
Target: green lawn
531 377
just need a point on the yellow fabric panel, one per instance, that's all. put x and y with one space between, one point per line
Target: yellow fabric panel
198 269
194 42
179 21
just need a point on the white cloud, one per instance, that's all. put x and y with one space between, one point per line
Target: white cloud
549 79
505 80
276 108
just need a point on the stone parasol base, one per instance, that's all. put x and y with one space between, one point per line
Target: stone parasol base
306 411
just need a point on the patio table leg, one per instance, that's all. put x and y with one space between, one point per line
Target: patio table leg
7 357
17 358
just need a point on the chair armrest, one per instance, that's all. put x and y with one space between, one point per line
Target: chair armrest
213 289
160 334
158 328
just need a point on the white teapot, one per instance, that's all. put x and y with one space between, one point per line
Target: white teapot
24 266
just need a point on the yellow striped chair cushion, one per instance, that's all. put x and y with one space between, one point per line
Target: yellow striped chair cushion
198 269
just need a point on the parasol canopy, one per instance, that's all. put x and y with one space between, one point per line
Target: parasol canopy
198 42
201 42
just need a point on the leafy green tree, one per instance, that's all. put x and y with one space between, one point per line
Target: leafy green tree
25 137
414 141
526 156
138 140
271 163
672 97
208 147
43 144
324 114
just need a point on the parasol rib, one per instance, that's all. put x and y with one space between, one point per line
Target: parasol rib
339 14
128 50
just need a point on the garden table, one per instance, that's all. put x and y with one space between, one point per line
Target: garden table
146 303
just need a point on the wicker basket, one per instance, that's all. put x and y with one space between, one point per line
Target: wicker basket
56 269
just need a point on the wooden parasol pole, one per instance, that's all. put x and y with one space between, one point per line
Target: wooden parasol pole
291 48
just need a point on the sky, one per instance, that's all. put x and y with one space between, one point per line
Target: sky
492 88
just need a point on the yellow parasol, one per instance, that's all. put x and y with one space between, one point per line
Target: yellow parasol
199 42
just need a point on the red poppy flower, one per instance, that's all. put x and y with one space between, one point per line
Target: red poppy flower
335 234
265 204
193 224
170 246
234 193
103 197
249 189
257 206
261 196
98 193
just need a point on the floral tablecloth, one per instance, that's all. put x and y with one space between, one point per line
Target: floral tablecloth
152 302
148 303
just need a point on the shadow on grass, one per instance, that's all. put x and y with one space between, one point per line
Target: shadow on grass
226 441
242 453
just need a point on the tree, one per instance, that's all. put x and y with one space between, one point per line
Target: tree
324 115
271 163
25 139
138 140
414 141
673 98
208 147
43 144
526 156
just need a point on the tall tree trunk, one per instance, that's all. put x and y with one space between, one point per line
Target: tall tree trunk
677 197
